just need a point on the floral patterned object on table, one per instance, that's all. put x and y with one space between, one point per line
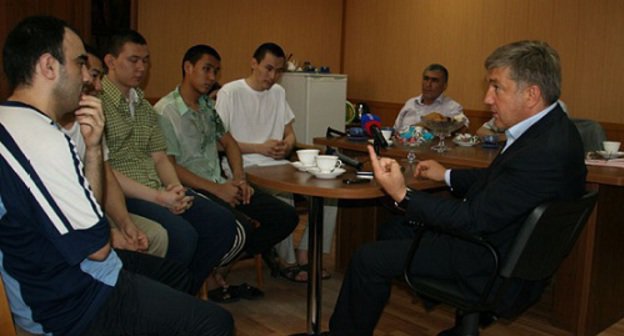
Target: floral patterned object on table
466 139
413 135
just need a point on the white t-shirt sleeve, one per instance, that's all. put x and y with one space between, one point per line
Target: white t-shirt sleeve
49 167
289 116
224 108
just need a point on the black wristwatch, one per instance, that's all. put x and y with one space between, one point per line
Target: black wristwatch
409 194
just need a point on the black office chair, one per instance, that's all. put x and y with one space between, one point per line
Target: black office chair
517 282
591 133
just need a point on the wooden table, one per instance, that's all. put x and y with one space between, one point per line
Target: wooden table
586 296
288 179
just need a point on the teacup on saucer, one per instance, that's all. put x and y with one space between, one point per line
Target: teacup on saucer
328 163
301 167
307 157
326 176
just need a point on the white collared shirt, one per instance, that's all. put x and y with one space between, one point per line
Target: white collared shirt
414 108
133 98
515 131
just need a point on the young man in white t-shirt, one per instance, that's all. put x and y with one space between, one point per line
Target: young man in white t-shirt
255 111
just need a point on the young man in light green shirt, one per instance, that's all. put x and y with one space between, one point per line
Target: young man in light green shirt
194 132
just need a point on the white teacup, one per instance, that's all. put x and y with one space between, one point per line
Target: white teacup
327 163
611 146
307 156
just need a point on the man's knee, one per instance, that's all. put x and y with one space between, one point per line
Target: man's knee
182 242
158 243
288 219
221 218
157 236
360 258
219 322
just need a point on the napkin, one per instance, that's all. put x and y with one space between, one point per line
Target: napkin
607 163
272 163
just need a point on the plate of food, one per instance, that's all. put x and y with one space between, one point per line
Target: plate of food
466 140
440 124
442 127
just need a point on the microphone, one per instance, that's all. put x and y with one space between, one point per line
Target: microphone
344 158
372 126
331 132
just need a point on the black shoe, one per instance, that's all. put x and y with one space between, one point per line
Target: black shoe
223 295
455 332
449 332
246 291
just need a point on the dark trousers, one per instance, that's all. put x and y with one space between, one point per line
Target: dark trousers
141 306
277 220
368 280
162 270
198 238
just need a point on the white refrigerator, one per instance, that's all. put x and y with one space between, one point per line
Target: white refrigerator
317 100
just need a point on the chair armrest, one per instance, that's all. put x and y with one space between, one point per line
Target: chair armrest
474 239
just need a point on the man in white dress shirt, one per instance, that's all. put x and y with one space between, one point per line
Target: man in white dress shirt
432 99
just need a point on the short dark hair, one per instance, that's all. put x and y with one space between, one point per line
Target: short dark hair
194 53
438 68
120 38
31 38
268 47
530 62
93 51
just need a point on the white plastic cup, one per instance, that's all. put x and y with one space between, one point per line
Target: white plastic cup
387 134
328 163
307 156
611 146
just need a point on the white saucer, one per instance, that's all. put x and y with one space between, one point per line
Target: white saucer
372 141
610 156
326 176
301 167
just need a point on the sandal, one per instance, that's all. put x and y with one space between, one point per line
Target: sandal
294 273
223 295
247 292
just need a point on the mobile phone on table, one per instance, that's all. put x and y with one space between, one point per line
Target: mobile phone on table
365 175
355 180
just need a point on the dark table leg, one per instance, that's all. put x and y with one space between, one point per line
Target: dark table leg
315 260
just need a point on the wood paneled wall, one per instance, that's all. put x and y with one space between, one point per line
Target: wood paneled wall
310 30
75 12
388 43
381 45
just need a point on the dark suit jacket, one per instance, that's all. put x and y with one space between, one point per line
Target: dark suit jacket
544 164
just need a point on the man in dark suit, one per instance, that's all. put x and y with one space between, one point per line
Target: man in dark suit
541 161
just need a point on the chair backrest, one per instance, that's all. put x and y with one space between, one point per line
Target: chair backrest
592 134
7 328
546 238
